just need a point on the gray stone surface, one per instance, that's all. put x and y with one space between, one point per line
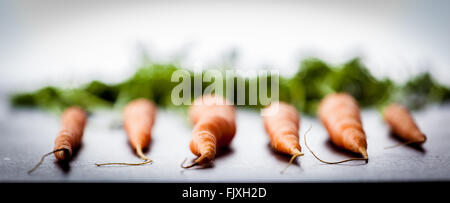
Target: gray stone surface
27 134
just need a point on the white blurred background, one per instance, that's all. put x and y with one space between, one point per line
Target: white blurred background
54 42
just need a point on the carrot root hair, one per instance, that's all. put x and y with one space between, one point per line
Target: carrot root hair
362 151
291 161
125 164
197 161
194 163
190 165
43 157
138 152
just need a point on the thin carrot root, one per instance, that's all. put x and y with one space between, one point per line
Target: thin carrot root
190 165
43 157
126 164
139 153
362 151
197 161
291 161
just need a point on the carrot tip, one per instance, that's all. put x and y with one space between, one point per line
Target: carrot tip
364 153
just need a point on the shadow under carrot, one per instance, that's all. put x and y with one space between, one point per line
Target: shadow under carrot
417 146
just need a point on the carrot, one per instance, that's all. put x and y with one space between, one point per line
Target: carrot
73 121
403 124
139 116
281 122
214 126
339 113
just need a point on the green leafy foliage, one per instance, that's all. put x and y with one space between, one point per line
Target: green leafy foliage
314 80
422 89
152 81
356 80
56 100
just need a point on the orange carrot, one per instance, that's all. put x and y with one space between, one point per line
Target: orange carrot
339 112
214 126
281 122
402 124
73 121
139 116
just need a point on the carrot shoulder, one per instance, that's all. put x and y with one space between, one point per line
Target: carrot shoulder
214 126
339 113
403 124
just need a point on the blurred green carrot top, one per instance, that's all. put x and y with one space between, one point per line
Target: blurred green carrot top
313 80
